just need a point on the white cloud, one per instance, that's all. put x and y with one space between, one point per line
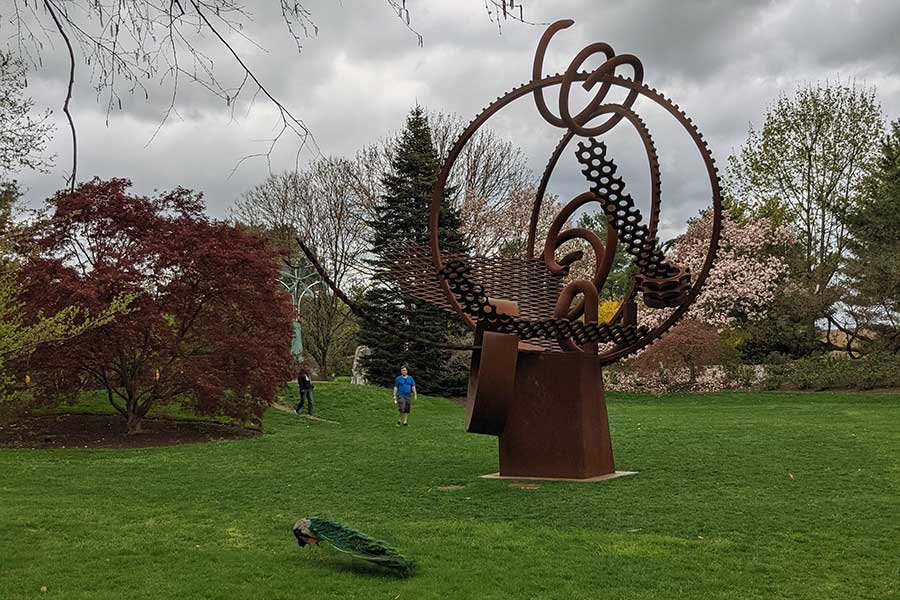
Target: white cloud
722 62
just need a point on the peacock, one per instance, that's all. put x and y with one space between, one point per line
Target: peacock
355 543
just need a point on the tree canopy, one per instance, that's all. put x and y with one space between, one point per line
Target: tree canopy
873 267
23 134
807 164
208 325
401 216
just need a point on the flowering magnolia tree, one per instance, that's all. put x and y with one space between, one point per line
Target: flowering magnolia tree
749 273
207 325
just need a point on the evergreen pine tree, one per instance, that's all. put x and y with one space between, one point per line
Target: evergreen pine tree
401 216
874 264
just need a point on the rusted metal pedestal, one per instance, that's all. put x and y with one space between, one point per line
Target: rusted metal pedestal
547 408
556 425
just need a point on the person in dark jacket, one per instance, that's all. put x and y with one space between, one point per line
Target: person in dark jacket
305 384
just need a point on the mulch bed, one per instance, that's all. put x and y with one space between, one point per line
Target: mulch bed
108 431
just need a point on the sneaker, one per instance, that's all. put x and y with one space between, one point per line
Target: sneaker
405 424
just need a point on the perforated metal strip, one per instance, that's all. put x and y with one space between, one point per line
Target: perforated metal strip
474 302
618 204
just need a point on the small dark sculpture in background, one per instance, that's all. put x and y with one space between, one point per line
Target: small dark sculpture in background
536 379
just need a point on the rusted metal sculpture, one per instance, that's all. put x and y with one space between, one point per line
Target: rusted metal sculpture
536 379
546 404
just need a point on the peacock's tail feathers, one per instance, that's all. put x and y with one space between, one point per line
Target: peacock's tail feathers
358 544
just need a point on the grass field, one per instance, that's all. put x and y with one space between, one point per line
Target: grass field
712 514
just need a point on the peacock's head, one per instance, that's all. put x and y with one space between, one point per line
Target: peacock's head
304 534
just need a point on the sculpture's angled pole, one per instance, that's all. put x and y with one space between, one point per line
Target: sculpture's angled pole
360 313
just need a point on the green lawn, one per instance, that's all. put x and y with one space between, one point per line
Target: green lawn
712 514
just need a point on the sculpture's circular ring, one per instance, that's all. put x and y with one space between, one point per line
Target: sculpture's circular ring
641 89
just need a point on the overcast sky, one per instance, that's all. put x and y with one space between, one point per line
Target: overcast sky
353 83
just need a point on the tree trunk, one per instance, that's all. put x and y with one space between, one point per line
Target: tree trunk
320 356
133 407
323 366
134 422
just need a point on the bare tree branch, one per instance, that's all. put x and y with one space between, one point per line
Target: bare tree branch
507 10
126 43
62 32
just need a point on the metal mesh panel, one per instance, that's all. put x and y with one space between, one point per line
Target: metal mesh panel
471 296
525 281
474 280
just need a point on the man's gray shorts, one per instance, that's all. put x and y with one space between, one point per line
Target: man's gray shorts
403 404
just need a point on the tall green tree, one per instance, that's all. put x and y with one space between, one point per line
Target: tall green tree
807 165
401 216
873 268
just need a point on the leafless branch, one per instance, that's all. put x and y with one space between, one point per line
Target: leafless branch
503 10
65 37
127 43
402 12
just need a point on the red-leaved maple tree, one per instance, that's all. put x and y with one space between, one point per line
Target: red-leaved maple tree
690 345
207 326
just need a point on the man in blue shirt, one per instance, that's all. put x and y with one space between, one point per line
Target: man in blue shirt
404 390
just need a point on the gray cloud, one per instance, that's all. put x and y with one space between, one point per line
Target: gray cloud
354 83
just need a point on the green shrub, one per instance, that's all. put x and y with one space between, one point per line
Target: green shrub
742 376
828 372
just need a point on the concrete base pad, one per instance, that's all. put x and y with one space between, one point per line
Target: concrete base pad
587 480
